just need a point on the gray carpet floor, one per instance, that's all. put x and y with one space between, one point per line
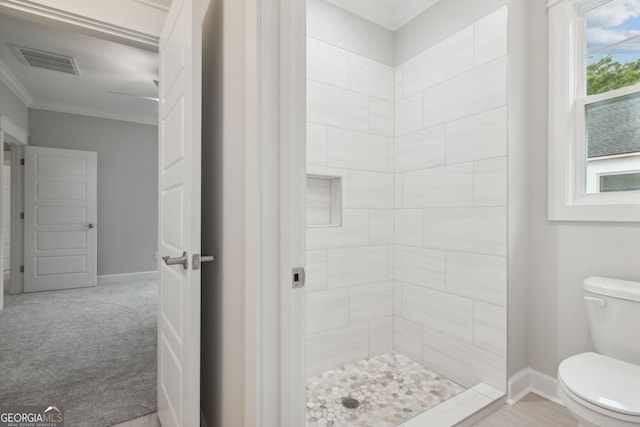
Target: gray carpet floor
91 350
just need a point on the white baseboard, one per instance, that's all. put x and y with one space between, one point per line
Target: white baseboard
108 279
531 381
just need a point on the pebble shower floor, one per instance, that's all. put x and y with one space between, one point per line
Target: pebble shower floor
391 389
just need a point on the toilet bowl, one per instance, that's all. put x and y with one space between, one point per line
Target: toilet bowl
600 391
602 388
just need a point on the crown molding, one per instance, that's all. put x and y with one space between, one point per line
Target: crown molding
153 5
145 41
14 133
80 111
14 84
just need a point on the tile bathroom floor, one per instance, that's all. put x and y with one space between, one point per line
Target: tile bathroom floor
391 389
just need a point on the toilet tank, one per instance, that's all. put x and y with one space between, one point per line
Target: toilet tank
613 309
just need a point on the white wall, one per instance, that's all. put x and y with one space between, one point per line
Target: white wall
12 107
349 303
562 254
127 183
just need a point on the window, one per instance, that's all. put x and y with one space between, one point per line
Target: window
594 110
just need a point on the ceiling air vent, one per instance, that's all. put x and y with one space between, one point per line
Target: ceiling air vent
48 60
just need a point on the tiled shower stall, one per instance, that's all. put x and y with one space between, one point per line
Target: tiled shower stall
407 205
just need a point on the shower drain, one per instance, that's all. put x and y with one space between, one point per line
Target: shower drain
350 402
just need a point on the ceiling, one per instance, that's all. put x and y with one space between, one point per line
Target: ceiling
391 14
104 67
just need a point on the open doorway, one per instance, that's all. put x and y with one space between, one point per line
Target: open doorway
92 350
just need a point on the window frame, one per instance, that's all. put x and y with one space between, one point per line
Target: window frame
567 197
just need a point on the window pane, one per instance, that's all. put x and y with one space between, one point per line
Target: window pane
613 46
613 139
624 182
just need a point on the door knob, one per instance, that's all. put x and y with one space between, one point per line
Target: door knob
183 260
91 225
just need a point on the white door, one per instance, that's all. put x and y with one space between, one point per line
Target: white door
179 222
60 219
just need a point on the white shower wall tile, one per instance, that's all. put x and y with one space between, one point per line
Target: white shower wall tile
326 310
357 150
357 266
476 230
444 186
481 277
407 339
408 115
371 77
381 120
351 130
380 336
490 178
327 63
354 232
490 328
370 302
371 190
491 36
421 252
332 106
380 227
408 227
481 89
398 82
420 266
420 150
481 136
462 362
397 298
316 271
317 144
328 350
448 314
446 59
397 190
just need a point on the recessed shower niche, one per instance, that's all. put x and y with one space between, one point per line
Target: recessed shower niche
324 201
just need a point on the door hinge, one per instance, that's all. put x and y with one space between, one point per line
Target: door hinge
22 162
21 215
22 269
298 277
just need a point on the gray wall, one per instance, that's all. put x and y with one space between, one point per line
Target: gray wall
562 253
12 107
127 183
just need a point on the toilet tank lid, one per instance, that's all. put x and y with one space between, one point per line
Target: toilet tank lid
623 289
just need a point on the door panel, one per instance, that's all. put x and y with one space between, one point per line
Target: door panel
60 203
179 221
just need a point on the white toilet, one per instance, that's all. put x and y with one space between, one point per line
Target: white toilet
603 389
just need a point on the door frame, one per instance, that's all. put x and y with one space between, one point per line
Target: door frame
13 135
281 152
